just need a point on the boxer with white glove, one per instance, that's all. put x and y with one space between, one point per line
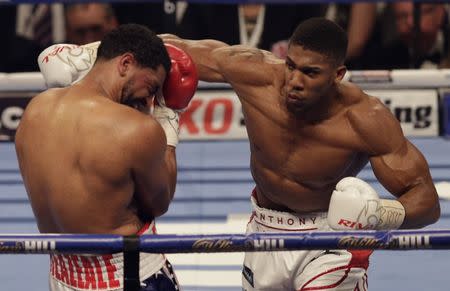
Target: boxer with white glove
120 174
65 64
355 204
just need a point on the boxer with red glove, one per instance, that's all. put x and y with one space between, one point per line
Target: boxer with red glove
66 64
178 89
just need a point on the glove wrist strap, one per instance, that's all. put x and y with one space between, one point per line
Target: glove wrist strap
392 214
169 121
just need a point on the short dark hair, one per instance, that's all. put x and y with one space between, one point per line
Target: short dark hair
323 36
147 48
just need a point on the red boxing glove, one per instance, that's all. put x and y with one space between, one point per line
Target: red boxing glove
179 88
182 80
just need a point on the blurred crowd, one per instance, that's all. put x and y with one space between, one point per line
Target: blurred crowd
381 35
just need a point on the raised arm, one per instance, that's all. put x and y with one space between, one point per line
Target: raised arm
153 168
399 166
64 64
219 62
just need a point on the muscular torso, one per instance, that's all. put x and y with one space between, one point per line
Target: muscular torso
73 165
296 166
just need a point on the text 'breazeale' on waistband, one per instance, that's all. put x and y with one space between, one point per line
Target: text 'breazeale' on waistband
85 272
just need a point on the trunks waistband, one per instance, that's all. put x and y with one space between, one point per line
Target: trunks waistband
287 221
101 272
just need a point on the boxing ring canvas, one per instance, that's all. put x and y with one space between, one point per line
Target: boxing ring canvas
213 190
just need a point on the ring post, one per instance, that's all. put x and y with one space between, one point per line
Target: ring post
131 245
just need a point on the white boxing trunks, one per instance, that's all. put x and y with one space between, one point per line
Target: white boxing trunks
300 270
101 272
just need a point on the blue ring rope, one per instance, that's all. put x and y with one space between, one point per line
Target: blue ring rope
98 244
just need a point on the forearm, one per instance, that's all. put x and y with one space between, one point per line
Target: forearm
171 163
168 179
421 206
154 175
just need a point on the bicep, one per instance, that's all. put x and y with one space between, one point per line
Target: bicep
398 164
149 172
246 66
401 169
219 62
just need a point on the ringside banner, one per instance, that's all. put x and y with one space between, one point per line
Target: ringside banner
217 114
417 110
213 115
11 109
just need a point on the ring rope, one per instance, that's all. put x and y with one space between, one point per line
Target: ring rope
416 79
97 244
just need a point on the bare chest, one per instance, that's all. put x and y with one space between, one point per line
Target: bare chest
313 155
308 161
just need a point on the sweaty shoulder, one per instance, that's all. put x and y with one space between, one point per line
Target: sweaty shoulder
141 131
377 128
43 102
252 66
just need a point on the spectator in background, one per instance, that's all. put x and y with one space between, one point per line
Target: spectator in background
21 52
88 22
360 26
257 25
27 29
433 35
359 20
396 49
158 16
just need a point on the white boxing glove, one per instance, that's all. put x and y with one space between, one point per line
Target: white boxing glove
355 204
65 64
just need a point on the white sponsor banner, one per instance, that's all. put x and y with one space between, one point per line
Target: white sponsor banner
417 110
217 114
213 115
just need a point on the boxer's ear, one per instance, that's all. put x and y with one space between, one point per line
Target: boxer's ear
340 73
125 62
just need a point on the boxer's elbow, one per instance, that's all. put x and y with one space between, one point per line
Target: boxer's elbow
429 213
422 207
434 213
153 203
434 207
161 204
